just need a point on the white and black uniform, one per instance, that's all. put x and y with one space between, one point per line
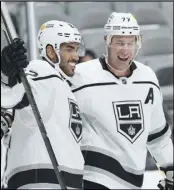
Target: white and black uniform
122 117
29 165
7 117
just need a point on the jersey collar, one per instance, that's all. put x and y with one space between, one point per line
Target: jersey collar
104 66
62 74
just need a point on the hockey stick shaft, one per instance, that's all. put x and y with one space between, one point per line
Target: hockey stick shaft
5 28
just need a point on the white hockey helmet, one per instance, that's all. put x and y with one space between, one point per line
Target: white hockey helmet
55 33
123 24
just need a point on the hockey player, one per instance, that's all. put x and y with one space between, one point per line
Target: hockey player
6 122
28 164
121 107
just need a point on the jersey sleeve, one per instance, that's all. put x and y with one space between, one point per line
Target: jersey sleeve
159 141
10 97
16 96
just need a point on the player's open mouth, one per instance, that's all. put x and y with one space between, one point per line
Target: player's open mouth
123 59
72 64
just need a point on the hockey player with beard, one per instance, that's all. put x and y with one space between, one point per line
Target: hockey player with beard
28 163
121 108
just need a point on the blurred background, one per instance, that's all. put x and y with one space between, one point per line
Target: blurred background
154 18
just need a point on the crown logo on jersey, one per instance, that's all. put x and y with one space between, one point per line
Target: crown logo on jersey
131 130
75 123
78 131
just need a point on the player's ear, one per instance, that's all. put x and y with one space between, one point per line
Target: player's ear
49 50
105 38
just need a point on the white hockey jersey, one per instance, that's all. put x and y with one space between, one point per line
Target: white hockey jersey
27 155
122 117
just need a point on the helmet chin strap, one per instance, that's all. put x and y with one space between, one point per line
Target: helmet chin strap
56 65
118 70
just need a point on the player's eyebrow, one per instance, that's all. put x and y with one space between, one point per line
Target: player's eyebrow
122 41
70 46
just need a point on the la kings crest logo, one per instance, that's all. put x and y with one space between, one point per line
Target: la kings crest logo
129 119
75 122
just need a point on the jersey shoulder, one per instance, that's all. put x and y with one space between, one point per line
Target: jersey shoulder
40 68
87 66
146 72
85 73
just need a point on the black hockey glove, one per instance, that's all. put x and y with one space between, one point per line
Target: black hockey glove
13 59
167 184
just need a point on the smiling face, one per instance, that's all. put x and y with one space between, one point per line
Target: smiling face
121 51
68 57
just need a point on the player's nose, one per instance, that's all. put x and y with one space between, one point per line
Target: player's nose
75 56
125 49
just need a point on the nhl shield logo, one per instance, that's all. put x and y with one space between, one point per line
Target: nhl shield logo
129 119
75 123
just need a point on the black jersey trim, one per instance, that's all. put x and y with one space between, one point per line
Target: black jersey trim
146 82
43 176
94 84
111 165
69 83
5 120
24 102
105 67
93 185
11 116
46 77
154 136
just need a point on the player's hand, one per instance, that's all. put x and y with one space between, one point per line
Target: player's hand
167 184
13 58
